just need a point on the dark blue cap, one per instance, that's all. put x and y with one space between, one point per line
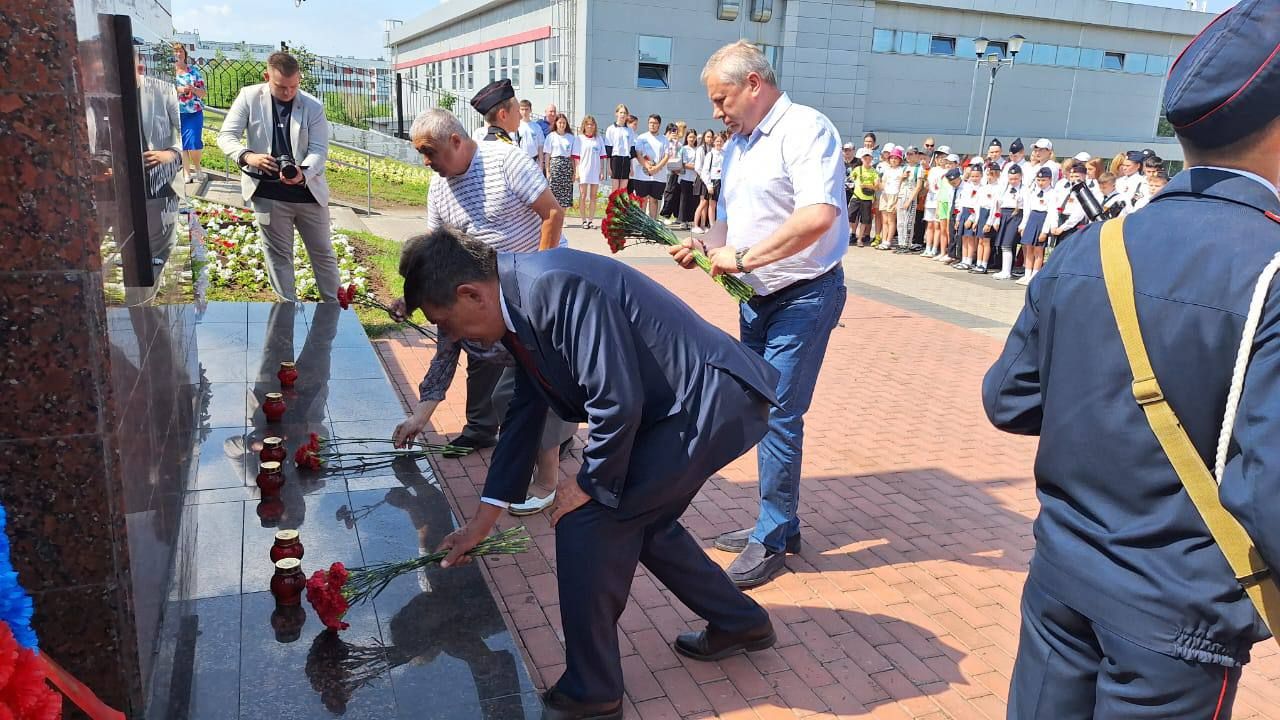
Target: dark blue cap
1224 85
992 167
995 142
492 95
1016 146
953 174
1015 169
1045 173
1135 156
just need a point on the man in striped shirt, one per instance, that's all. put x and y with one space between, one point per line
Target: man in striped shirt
493 192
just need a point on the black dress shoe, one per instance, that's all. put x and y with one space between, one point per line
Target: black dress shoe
558 706
736 541
711 644
469 443
756 565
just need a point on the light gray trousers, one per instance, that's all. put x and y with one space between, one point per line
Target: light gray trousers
276 222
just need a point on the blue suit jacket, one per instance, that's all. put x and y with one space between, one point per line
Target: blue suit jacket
1117 537
668 398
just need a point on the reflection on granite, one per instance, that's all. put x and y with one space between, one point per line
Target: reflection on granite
432 645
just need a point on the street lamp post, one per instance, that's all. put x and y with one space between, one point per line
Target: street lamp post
994 61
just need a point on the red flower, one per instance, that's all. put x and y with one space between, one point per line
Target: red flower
307 459
24 693
324 592
314 442
343 299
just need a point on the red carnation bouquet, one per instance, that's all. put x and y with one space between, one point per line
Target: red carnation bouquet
351 295
334 591
625 220
342 452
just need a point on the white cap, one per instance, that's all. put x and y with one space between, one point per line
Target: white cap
953 158
848 146
888 147
1044 144
1083 157
976 160
945 149
862 152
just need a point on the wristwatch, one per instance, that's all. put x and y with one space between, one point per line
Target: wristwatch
738 256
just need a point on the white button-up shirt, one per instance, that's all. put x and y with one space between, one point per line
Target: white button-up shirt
790 161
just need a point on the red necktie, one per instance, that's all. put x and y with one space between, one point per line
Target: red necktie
525 358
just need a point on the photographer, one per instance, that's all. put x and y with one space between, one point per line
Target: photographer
282 172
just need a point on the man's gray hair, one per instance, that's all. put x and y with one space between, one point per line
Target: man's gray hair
735 61
436 124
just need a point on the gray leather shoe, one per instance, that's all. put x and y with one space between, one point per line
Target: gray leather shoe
756 566
736 541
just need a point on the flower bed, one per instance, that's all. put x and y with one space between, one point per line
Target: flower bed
236 261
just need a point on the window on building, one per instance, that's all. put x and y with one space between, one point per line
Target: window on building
539 63
504 63
906 42
998 48
654 64
1113 61
515 66
553 60
1157 64
1090 59
882 41
728 9
471 75
493 65
1068 56
1135 63
761 10
964 48
773 54
923 42
942 45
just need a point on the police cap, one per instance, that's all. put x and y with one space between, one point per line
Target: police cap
1044 172
492 95
1224 86
1135 156
1015 169
995 142
953 174
1016 146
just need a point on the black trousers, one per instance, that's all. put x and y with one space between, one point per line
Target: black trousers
1069 667
670 196
688 201
597 554
482 418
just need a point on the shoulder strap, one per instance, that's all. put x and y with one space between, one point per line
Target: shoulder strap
1230 535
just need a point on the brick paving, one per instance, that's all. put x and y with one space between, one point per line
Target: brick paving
915 514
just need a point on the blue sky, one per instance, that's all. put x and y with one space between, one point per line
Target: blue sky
340 27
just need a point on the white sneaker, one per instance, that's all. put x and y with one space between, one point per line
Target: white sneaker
1001 276
533 505
1025 280
885 246
698 230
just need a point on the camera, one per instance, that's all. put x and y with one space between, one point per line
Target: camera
289 170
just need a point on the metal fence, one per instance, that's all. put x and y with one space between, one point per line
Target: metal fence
360 97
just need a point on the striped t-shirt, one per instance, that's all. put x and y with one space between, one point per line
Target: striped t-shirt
492 201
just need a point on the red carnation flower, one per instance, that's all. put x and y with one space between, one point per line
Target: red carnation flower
314 441
343 300
324 592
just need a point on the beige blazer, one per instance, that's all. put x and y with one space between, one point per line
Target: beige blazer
308 132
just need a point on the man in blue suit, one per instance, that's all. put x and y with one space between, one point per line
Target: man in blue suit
1130 609
668 399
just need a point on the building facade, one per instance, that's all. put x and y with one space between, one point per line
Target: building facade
1090 75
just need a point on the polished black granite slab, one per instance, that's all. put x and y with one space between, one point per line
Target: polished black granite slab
433 645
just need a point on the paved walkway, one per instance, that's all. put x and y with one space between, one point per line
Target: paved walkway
915 515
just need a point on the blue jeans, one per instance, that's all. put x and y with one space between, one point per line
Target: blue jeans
790 329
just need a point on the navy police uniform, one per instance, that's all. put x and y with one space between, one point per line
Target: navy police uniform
1130 609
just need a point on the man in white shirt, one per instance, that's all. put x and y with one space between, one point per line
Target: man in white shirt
649 174
780 203
531 137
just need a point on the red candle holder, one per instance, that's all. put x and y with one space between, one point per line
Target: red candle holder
273 450
270 510
273 407
288 374
287 622
287 545
270 478
288 582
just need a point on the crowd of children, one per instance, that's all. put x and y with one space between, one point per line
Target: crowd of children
996 213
